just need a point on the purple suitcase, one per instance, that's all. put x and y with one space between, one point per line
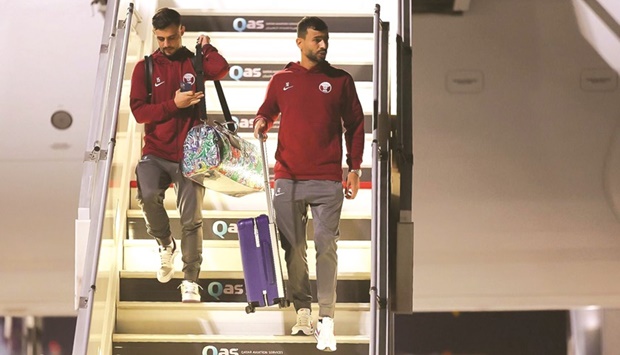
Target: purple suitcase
260 255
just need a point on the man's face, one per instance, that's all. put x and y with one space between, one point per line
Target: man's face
314 45
169 39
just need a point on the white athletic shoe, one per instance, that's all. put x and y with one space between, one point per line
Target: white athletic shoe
325 339
190 291
166 256
304 323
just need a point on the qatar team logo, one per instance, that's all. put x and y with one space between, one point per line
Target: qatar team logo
189 78
325 87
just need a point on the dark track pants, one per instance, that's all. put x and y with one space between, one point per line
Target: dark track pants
155 176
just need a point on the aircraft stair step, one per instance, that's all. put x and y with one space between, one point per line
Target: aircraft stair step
229 319
224 255
166 344
225 287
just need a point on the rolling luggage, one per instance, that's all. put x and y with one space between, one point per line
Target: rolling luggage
260 255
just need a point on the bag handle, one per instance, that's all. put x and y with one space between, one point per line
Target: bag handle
200 86
148 68
200 83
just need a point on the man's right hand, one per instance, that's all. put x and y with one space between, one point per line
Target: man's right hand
259 129
187 98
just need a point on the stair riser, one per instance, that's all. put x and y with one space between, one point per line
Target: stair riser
221 348
225 290
226 228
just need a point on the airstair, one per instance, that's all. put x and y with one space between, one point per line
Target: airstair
126 310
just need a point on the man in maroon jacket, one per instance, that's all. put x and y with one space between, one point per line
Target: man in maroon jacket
167 116
317 102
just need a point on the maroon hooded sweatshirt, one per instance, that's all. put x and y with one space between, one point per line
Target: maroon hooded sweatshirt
165 125
316 106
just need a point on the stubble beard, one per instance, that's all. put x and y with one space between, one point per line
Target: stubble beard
318 57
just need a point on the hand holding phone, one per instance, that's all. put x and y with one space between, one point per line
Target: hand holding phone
186 86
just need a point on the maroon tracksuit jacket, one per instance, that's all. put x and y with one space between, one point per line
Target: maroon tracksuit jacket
165 125
316 105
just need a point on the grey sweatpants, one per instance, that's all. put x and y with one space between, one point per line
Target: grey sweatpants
155 176
291 202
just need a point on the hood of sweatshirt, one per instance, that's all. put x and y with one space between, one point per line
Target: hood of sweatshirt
322 67
181 54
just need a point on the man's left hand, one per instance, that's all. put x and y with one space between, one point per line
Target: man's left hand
203 39
352 185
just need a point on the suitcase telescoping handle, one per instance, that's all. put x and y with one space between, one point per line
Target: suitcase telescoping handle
263 150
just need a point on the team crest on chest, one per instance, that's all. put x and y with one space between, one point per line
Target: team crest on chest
325 87
189 78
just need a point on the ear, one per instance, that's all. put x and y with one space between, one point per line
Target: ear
299 41
182 30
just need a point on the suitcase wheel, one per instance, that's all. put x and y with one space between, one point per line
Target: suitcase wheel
251 307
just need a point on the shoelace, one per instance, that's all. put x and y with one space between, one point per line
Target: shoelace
190 287
166 256
303 319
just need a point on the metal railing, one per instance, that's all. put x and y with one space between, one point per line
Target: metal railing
391 284
381 192
94 206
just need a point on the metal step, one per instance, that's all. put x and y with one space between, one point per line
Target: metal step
229 319
215 201
224 255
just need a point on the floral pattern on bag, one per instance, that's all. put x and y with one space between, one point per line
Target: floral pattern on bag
209 150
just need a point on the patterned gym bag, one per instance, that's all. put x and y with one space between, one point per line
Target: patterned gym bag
228 163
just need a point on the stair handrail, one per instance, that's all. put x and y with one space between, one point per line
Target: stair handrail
97 166
379 305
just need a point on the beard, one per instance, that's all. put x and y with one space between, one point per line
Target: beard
317 57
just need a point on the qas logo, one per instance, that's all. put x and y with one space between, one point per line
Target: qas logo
243 123
240 24
221 228
217 289
213 350
238 72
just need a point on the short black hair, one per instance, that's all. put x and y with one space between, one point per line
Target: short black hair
310 22
165 17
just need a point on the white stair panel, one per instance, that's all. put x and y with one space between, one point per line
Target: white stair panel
228 319
255 203
141 255
345 48
248 96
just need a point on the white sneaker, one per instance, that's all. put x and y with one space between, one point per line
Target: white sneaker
190 291
166 256
325 339
304 323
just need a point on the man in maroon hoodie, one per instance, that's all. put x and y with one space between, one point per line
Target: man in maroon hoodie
318 104
167 117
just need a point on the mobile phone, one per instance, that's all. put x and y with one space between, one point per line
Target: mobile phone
186 86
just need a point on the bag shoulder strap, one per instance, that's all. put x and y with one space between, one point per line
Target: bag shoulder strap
200 82
148 75
231 125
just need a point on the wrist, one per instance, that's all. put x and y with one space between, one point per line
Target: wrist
357 172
